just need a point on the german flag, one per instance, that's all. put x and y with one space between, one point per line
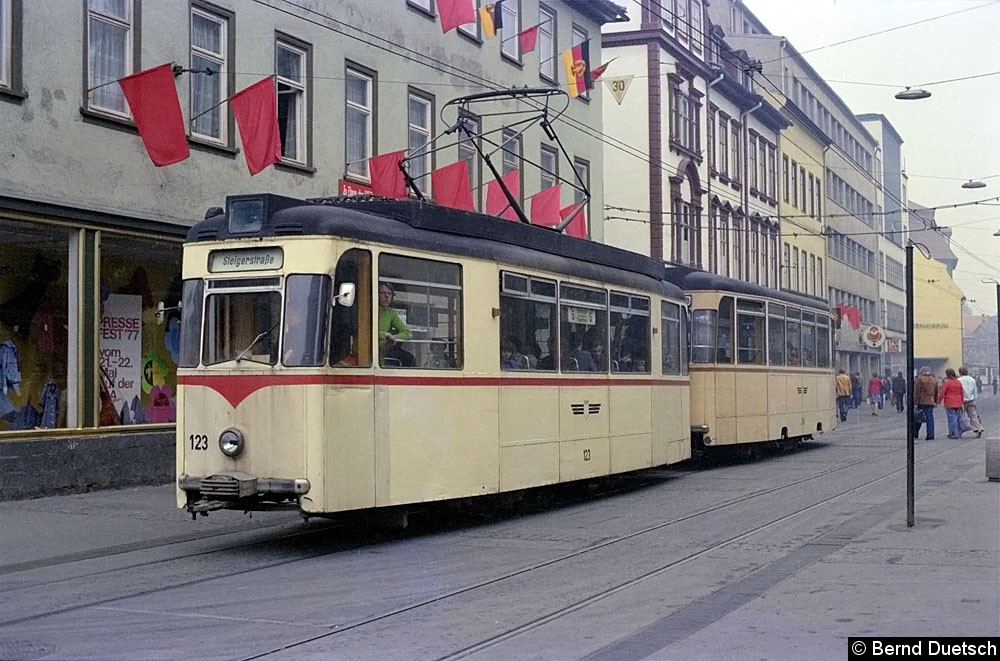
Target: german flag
491 16
576 60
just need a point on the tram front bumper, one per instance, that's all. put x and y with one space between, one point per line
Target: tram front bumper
224 490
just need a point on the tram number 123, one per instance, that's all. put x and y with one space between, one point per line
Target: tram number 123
198 441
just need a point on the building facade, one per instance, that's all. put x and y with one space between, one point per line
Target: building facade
91 231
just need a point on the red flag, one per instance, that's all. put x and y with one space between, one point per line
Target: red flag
528 39
599 71
152 98
853 316
545 206
256 111
496 201
578 226
455 13
451 186
387 178
576 61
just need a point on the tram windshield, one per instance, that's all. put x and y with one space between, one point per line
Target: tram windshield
241 321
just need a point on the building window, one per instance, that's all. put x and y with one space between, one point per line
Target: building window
471 30
752 163
549 166
419 161
710 138
723 155
467 152
10 46
359 121
785 173
110 53
547 54
795 185
734 145
582 168
292 69
724 245
683 118
425 6
510 45
511 158
5 43
697 30
209 50
772 171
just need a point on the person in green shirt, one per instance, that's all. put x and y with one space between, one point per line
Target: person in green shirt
392 329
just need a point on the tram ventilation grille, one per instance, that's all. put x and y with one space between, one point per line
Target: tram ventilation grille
803 390
585 408
288 229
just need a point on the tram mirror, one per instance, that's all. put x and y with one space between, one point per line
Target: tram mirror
345 296
162 310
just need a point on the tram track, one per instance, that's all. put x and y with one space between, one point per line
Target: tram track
308 537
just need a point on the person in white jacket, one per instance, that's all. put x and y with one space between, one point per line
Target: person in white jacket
969 392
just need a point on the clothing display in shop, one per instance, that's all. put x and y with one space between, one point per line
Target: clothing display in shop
50 405
17 312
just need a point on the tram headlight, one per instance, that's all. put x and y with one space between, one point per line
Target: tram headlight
231 442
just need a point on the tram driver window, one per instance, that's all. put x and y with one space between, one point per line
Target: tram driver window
426 297
528 320
670 319
724 334
703 336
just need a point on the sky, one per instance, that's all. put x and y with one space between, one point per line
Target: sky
949 138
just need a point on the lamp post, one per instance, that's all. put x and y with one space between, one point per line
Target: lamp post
910 407
993 281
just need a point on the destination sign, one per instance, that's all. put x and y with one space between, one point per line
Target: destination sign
252 259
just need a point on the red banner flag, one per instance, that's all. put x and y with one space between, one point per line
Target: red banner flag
256 111
576 61
545 206
455 12
156 110
496 201
578 226
387 178
451 186
528 39
599 71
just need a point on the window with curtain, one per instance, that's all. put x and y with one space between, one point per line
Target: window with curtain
291 66
549 163
420 110
5 43
209 46
582 168
359 117
547 54
109 53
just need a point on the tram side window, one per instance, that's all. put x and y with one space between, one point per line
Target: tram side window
776 334
528 322
192 299
629 332
703 323
583 316
670 319
350 327
808 339
724 336
303 333
793 337
750 327
425 298
241 321
685 340
822 341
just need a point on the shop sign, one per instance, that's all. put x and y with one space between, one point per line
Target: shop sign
873 337
892 345
250 259
352 188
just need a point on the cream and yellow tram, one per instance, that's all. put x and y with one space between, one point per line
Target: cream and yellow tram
518 357
760 362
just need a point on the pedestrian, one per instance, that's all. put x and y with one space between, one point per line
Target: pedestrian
925 393
856 389
886 389
996 384
843 383
899 391
970 391
875 393
952 398
979 385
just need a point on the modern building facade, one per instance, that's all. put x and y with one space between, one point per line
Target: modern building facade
91 231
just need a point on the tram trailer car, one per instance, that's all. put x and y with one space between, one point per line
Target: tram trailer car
760 364
292 395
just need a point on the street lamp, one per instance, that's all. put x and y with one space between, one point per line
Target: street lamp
994 282
911 409
912 94
974 183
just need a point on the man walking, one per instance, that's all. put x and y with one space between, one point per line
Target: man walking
925 393
843 394
899 391
969 392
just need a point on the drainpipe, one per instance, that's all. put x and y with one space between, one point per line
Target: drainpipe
708 179
745 139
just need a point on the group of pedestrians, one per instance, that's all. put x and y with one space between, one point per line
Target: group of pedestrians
956 393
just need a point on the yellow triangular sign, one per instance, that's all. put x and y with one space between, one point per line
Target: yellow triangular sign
618 86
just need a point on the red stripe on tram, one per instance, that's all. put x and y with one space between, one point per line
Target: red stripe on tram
236 388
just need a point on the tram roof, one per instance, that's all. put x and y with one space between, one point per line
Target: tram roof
428 226
691 279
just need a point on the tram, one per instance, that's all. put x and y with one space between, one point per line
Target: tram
347 354
760 364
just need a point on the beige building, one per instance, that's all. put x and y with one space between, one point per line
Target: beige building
937 316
